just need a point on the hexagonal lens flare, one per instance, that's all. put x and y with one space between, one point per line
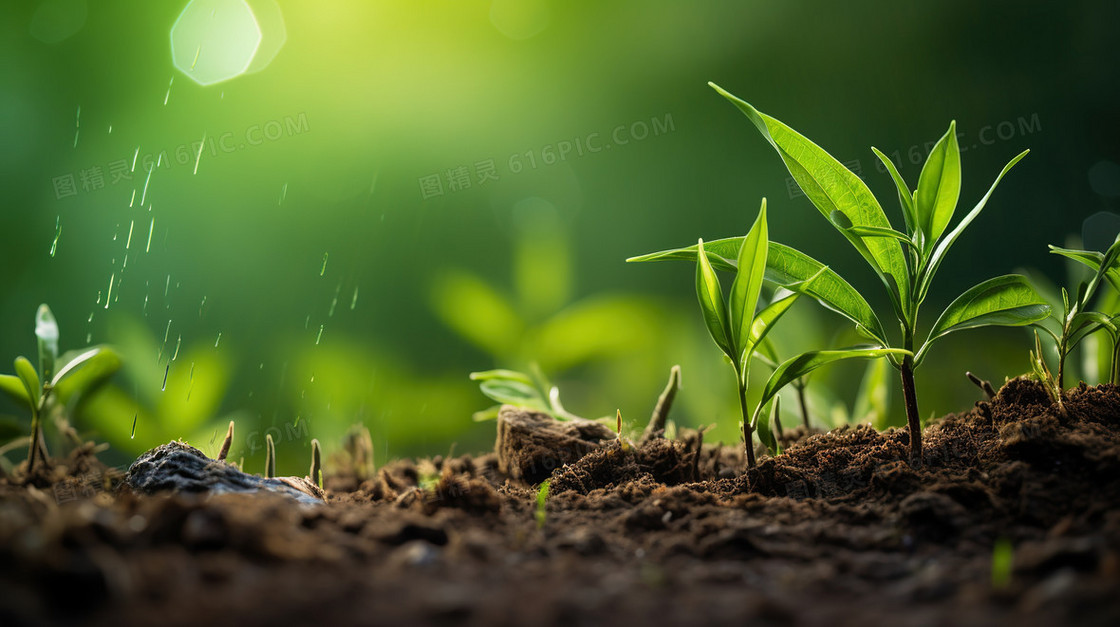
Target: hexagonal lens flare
214 40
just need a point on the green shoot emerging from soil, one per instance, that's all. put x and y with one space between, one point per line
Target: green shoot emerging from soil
528 391
542 504
269 457
316 472
739 331
59 379
905 261
1078 321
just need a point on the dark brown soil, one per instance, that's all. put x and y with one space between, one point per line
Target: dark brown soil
840 530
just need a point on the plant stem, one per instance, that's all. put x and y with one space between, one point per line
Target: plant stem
804 406
748 430
33 448
1115 358
1062 361
912 418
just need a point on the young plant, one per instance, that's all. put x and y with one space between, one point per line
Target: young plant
739 331
1078 321
315 475
905 261
509 387
269 457
57 381
541 513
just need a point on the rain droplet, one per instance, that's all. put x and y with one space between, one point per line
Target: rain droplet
144 195
200 145
354 300
57 234
168 94
283 194
133 200
166 370
111 278
323 270
203 304
334 301
190 384
178 343
128 242
150 227
320 335
134 417
218 340
77 125
134 156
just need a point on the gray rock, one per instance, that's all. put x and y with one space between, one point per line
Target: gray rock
179 467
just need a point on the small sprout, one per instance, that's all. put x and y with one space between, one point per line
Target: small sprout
358 445
984 385
528 391
224 451
657 421
623 443
542 501
269 457
1003 562
1043 375
316 474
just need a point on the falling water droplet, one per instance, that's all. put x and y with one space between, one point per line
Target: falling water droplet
110 129
178 343
128 242
150 228
168 94
199 156
110 293
144 195
166 286
134 417
218 340
57 234
320 335
203 304
354 300
166 370
334 301
190 384
197 52
134 157
323 270
77 125
283 194
144 309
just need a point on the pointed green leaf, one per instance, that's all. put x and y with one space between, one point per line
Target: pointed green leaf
13 386
790 268
81 373
712 305
833 187
46 330
747 286
762 426
801 365
1007 300
26 372
513 393
760 327
926 277
509 375
1086 323
939 186
1092 259
905 198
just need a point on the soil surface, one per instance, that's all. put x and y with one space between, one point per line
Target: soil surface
839 530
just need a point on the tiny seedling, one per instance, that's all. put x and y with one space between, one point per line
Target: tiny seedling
224 451
1003 563
1078 321
315 475
905 261
529 391
542 504
269 457
660 416
358 447
58 379
739 331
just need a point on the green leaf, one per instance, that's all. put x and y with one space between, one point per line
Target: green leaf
791 269
712 305
762 324
833 187
1086 323
926 277
801 365
513 393
939 187
1092 259
508 375
1007 300
26 372
13 386
747 286
905 198
46 330
81 373
762 426
876 231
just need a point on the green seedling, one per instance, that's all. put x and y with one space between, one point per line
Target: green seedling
315 475
1043 375
58 380
542 504
528 391
1078 321
739 331
269 457
905 261
358 446
659 419
1003 563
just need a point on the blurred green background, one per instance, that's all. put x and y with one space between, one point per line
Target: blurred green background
398 193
